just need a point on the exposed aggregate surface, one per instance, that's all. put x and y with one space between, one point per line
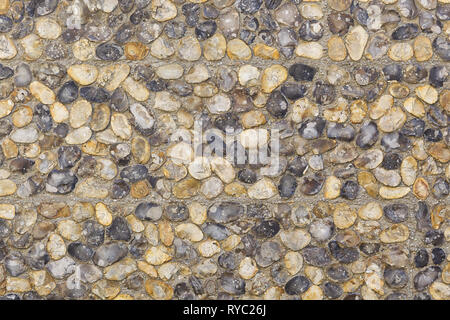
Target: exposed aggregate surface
103 194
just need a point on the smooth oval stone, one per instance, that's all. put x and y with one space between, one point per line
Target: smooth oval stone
94 233
120 189
437 76
287 186
396 278
324 93
231 284
425 278
293 91
344 255
438 255
297 285
94 94
148 211
396 212
441 46
247 176
176 212
119 100
134 173
349 190
109 52
413 128
225 212
277 105
80 251
338 273
68 92
266 229
205 30
311 30
369 248
316 256
406 32
332 290
109 254
227 261
393 72
302 72
341 132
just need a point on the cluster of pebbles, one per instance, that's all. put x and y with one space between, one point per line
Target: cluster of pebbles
102 195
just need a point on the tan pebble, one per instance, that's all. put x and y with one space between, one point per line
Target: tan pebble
421 188
166 234
427 93
392 120
83 49
8 48
7 187
393 192
186 188
402 51
4 6
344 216
79 136
69 230
103 214
166 102
112 76
197 213
59 112
315 274
253 119
158 290
6 107
439 151
263 189
408 170
266 52
332 188
189 49
7 211
135 89
56 246
16 284
136 51
293 262
355 41
440 291
398 90
248 75
371 211
313 293
41 92
170 71
163 10
22 116
140 189
189 231
395 233
238 50
423 49
80 113
223 169
247 268
214 48
135 224
231 242
47 28
414 106
309 50
336 49
208 248
121 126
32 47
303 108
272 77
162 48
381 106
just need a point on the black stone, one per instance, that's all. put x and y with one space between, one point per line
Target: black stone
176 212
225 212
277 105
119 100
341 132
175 29
216 231
297 285
68 92
413 128
5 72
441 46
109 51
61 181
148 211
393 72
94 94
332 290
120 189
227 261
205 30
391 161
21 165
349 190
396 212
406 32
396 278
415 73
441 188
94 233
43 118
311 30
6 24
434 237
324 93
425 278
228 122
338 273
438 75
119 229
432 135
247 176
369 248
80 251
344 255
438 255
302 72
297 166
191 11
287 186
249 6
266 229
231 284
316 256
134 173
293 91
